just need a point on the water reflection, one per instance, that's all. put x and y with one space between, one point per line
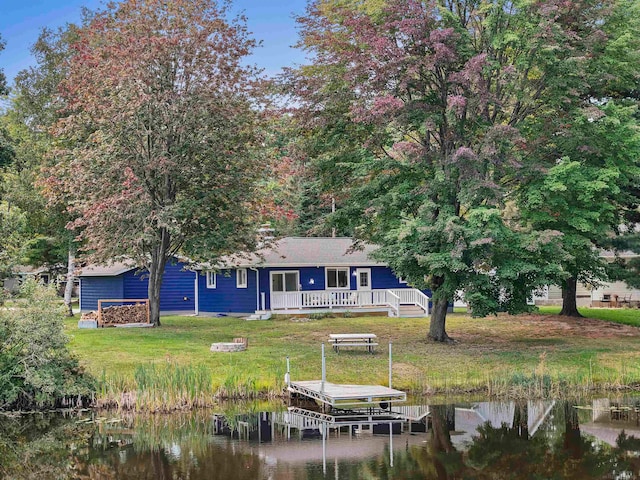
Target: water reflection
476 440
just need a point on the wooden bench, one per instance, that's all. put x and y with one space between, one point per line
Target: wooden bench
367 340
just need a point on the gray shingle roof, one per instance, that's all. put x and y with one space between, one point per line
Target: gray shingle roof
111 270
286 252
307 252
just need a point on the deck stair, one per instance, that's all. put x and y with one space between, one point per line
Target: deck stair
407 311
260 315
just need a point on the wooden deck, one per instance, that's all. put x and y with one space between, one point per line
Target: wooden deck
337 395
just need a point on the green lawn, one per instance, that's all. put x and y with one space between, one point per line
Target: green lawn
487 350
626 316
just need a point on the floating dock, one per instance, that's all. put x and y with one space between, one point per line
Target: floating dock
337 395
340 395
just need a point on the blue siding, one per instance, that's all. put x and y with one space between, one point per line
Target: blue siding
226 297
93 289
383 277
177 284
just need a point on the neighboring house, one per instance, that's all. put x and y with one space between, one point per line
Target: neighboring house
613 294
22 272
294 275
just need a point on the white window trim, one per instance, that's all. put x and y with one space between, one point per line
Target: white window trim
277 272
369 281
211 280
326 278
239 283
402 280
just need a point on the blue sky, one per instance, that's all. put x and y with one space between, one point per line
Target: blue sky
270 21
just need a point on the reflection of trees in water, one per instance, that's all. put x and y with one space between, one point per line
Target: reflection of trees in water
508 450
183 446
510 453
40 446
172 446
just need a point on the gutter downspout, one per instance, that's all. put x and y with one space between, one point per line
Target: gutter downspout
197 295
257 287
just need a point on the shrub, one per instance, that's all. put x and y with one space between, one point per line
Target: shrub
36 368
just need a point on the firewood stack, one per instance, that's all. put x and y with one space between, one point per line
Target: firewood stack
120 314
89 316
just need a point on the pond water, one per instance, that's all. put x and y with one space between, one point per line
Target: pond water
594 439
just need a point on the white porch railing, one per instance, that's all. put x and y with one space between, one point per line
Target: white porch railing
412 296
349 298
393 301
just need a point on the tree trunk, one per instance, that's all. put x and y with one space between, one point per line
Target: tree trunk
68 289
521 420
442 423
437 331
572 438
569 305
156 271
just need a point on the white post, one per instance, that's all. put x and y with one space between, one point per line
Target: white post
262 300
324 368
391 444
324 448
257 289
287 376
197 295
390 364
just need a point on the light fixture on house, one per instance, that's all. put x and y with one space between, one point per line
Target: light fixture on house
311 281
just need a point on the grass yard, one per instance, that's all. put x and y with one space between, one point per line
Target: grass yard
626 316
490 353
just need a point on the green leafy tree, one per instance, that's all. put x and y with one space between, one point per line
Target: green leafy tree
156 150
585 196
428 145
3 79
587 157
36 368
33 111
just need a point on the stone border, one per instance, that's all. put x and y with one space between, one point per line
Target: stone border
228 347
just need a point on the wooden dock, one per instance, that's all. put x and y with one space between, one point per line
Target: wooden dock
337 395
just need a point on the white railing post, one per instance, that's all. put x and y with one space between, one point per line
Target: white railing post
393 301
390 364
324 369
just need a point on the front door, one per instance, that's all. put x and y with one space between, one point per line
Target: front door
363 278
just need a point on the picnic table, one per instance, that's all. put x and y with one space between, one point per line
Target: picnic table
367 340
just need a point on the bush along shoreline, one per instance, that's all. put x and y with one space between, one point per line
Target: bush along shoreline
172 387
37 369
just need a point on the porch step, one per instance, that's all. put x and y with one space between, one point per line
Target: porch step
260 315
407 311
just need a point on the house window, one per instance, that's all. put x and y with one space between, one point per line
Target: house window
338 277
285 281
44 278
211 279
241 278
401 280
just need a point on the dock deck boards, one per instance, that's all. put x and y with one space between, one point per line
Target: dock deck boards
338 395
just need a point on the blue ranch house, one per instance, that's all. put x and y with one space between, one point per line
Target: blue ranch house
294 275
